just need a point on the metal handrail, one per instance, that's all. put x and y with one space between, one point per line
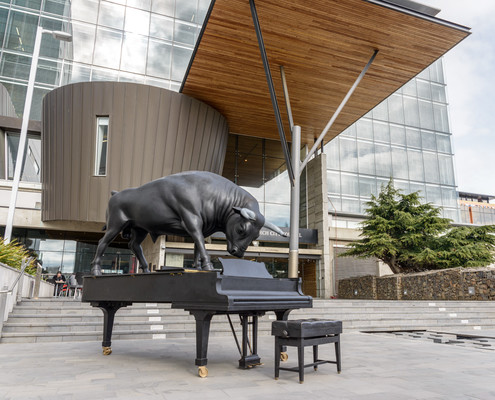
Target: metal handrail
23 268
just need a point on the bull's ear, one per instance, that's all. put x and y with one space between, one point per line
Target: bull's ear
246 213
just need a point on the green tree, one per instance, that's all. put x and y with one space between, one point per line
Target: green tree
411 236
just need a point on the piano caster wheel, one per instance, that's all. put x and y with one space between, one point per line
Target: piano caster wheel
107 351
202 372
284 356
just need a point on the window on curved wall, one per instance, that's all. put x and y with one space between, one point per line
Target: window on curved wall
101 146
31 171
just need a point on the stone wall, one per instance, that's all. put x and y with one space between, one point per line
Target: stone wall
450 284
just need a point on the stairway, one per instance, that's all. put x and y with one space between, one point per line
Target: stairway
60 320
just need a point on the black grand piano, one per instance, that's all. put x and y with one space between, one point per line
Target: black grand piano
242 287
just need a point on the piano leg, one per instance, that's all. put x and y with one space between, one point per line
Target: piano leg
109 309
203 319
253 359
283 316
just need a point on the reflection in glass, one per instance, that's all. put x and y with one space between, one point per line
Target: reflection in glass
277 214
165 7
449 197
364 129
443 143
441 117
111 15
424 91
277 189
187 10
137 21
185 33
413 137
180 61
381 131
399 163
134 53
431 166
84 10
446 169
415 163
348 155
332 151
159 56
397 135
15 66
31 171
351 205
162 27
428 140
438 93
426 114
383 160
333 182
381 111
396 109
411 111
107 48
21 32
350 184
83 42
434 195
366 158
367 187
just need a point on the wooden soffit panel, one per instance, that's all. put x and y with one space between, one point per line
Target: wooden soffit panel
323 46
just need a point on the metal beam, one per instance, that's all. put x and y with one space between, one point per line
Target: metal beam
337 112
287 99
273 96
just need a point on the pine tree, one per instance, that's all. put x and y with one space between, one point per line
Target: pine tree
411 236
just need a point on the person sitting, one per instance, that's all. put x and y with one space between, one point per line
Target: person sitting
59 283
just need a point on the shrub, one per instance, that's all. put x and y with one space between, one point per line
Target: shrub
12 255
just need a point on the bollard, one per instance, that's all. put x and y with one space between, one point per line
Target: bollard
37 281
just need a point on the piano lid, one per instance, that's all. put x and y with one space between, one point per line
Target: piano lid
244 268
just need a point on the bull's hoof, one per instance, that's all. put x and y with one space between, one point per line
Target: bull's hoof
208 267
96 270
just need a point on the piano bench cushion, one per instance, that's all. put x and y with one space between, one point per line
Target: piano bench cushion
306 328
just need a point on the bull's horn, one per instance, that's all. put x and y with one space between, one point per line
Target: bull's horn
246 213
275 229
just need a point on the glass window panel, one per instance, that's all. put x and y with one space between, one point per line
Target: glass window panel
426 114
70 246
441 117
367 187
443 143
428 140
101 146
158 82
436 71
366 158
381 131
175 86
51 47
364 129
351 205
17 95
52 260
399 164
397 135
431 167
165 7
350 131
159 56
349 184
134 53
446 168
104 75
203 6
185 33
438 93
272 148
333 182
396 109
418 187
21 32
424 91
410 88
332 151
137 21
449 197
58 7
348 155
415 163
31 171
33 4
15 66
277 214
51 245
434 195
187 11
77 73
452 214
411 111
4 13
83 42
381 111
425 74
402 185
180 61
334 203
111 15
107 48
162 27
84 10
413 137
130 77
277 188
38 95
141 4
48 72
383 160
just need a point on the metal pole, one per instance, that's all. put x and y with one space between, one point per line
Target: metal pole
339 109
287 99
271 89
22 141
294 204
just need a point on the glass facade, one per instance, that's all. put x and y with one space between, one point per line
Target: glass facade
140 41
407 138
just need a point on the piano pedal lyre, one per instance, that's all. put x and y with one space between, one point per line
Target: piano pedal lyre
107 350
202 372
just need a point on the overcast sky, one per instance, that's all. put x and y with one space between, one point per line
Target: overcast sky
470 75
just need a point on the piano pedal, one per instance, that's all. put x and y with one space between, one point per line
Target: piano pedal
202 372
106 350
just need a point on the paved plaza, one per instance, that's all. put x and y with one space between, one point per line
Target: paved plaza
374 367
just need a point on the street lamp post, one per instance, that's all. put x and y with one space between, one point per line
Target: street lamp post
59 35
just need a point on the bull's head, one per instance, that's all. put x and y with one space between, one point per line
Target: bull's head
243 227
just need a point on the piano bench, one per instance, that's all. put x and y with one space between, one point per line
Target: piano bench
306 332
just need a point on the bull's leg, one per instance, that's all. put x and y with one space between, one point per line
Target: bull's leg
194 225
137 237
109 236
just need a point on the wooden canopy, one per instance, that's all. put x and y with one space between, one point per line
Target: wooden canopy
323 46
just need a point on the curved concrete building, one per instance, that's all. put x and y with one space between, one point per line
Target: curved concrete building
149 132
